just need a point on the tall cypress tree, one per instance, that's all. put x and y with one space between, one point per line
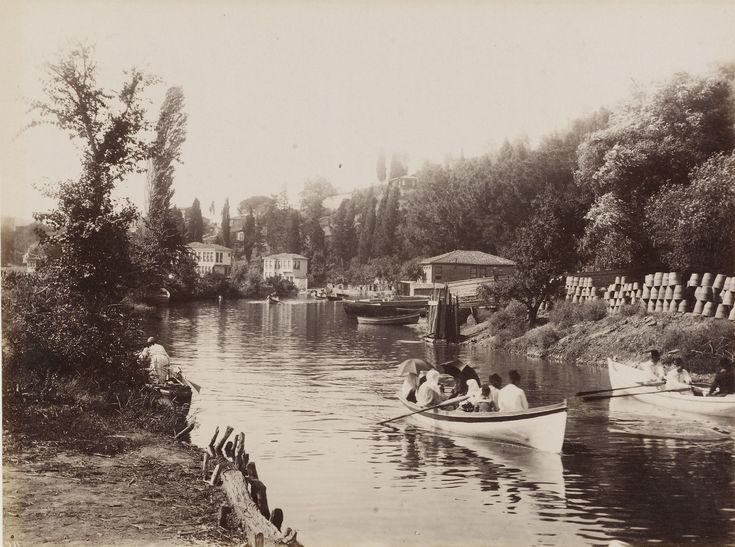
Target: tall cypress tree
367 229
194 223
226 223
381 166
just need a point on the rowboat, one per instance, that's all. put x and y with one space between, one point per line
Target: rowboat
385 307
622 376
540 427
273 299
405 319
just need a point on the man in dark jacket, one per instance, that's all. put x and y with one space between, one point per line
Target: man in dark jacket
724 383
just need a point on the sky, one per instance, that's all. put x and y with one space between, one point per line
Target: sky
282 91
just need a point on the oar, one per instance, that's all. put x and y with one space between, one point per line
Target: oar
192 385
447 402
599 397
581 393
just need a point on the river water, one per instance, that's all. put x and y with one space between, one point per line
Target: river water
307 385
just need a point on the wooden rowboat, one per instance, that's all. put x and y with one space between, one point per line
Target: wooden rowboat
541 427
622 375
405 319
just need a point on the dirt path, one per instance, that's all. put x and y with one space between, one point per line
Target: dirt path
151 494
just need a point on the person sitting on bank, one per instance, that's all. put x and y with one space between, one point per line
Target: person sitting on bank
429 393
724 382
496 383
654 368
484 402
160 363
512 397
678 377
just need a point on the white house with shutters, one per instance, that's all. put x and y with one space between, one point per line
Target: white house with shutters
211 257
291 266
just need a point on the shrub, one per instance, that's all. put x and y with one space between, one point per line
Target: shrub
50 331
701 344
510 322
542 337
565 314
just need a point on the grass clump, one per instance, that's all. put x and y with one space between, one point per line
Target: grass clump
509 323
565 314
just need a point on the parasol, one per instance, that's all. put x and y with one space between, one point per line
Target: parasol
413 366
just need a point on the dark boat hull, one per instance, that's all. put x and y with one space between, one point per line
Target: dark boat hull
384 308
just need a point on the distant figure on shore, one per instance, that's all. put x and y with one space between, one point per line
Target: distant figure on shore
512 397
160 363
429 394
654 368
496 383
678 377
724 382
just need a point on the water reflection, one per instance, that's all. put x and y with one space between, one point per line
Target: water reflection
308 385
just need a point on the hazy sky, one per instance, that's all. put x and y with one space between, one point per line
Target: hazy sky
278 92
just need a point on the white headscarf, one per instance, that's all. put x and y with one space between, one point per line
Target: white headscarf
473 390
411 381
429 393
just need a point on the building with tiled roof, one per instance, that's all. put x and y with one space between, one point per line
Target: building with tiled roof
460 264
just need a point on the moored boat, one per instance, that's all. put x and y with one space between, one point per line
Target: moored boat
273 299
377 308
542 427
404 319
333 297
626 376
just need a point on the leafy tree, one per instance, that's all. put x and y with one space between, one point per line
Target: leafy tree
367 229
654 140
226 223
380 168
692 226
194 223
609 240
344 235
314 193
541 253
72 316
177 219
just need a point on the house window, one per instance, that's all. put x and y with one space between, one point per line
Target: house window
241 236
473 271
437 273
296 265
218 257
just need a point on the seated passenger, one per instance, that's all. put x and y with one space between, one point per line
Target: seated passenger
473 393
484 402
511 397
496 382
678 377
429 393
654 368
409 387
724 383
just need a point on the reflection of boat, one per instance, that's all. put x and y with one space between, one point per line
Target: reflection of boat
541 427
623 376
542 471
405 319
377 308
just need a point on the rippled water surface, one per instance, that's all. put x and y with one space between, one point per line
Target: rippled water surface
307 385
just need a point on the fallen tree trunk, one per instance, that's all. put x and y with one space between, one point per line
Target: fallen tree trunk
246 494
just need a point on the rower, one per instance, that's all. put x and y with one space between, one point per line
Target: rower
654 368
678 377
724 383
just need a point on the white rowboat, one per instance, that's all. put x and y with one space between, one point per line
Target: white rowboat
541 427
622 376
405 319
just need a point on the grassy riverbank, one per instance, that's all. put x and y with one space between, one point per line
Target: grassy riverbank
79 473
584 334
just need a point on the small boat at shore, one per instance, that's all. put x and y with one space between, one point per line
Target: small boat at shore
404 319
273 299
626 376
542 427
385 307
333 297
